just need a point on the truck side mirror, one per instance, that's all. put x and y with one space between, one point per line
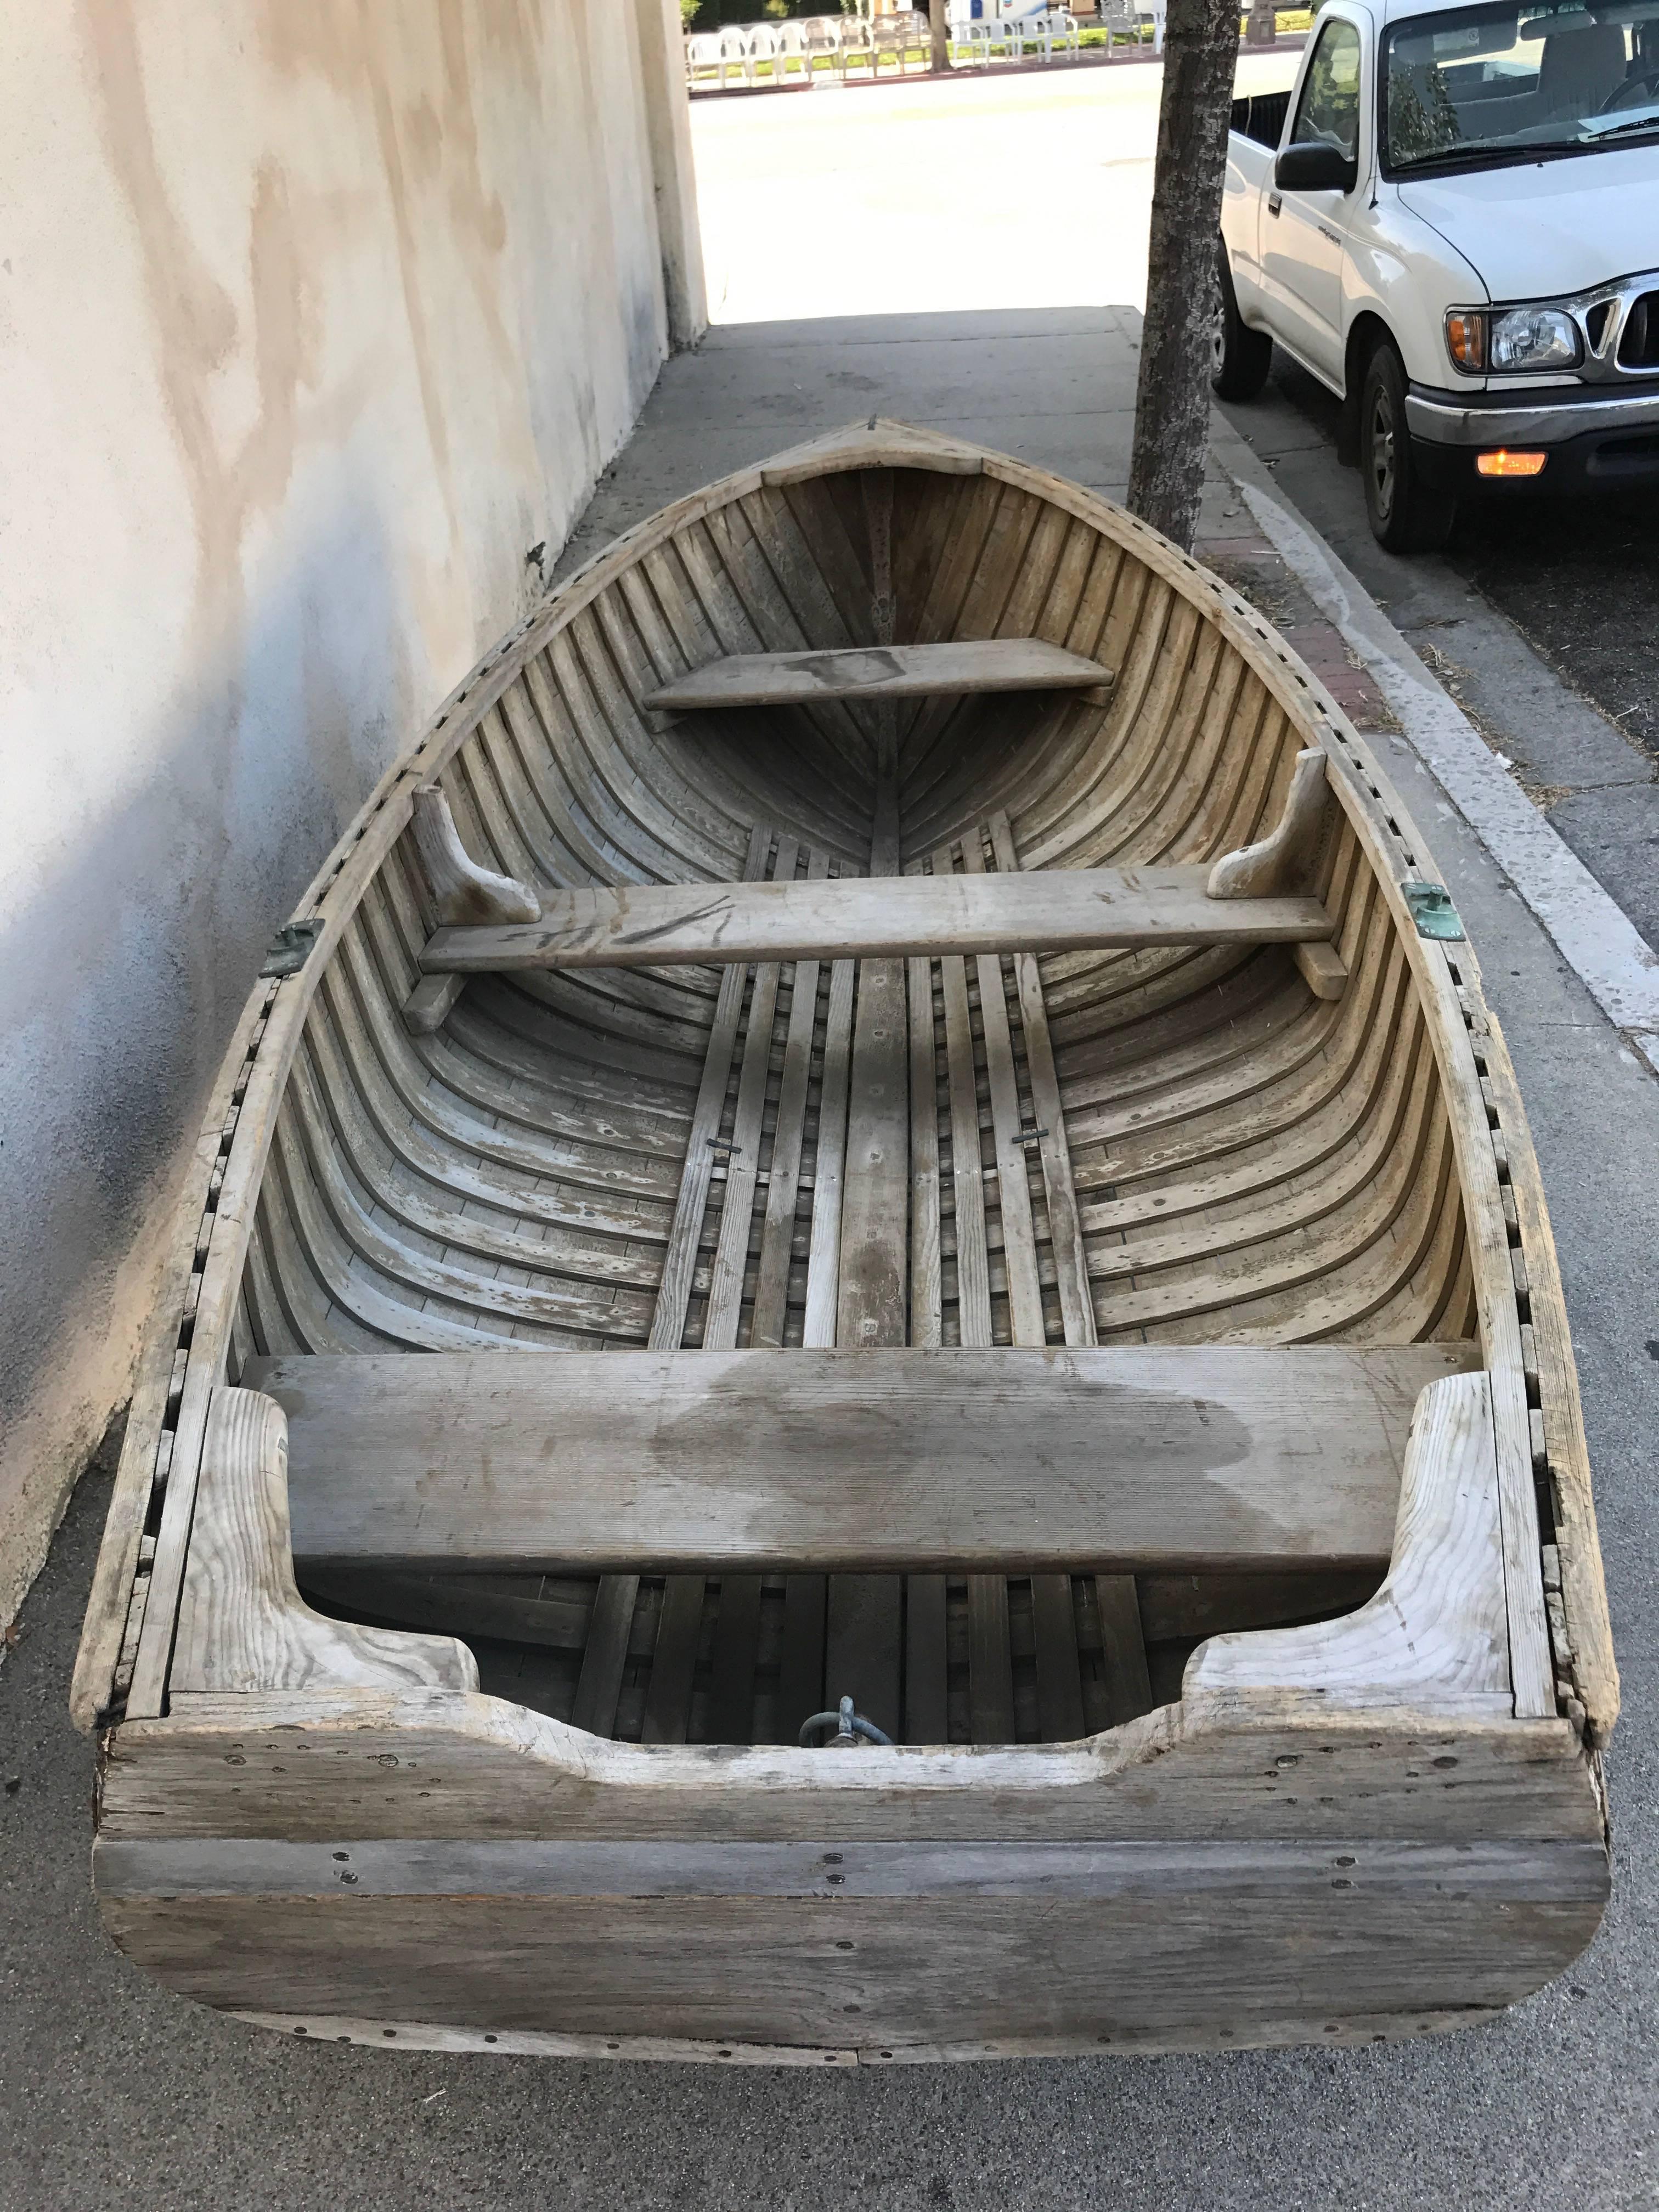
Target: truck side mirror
1314 167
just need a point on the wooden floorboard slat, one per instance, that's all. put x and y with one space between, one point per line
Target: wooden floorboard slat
870 1308
1123 1648
925 1284
783 1186
732 1684
926 1710
674 1292
824 1257
990 1660
674 1662
800 1664
1071 1261
966 1169
1060 1691
599 1683
862 1656
1019 1256
742 1155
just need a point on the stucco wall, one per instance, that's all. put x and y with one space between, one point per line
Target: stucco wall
315 315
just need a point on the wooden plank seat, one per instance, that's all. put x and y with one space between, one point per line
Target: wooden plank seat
882 671
1115 1459
875 917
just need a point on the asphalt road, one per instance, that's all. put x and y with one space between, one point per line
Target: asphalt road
1580 579
1541 618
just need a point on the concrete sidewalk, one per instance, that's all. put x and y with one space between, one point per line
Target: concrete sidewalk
116 2094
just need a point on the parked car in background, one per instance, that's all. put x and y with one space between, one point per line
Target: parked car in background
1452 219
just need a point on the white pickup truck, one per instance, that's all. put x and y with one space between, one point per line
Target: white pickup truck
1452 219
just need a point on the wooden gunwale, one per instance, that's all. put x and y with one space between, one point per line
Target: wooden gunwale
1388 844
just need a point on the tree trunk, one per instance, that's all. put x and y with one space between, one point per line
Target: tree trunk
1172 397
941 29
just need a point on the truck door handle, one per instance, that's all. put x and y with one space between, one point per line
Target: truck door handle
1274 203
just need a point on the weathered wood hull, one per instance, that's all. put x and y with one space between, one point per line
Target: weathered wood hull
1155 1787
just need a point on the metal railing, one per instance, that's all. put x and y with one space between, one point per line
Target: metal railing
799 48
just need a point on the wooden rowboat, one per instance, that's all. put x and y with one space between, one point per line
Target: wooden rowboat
916 1092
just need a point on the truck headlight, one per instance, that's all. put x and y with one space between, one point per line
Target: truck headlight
1511 339
1532 338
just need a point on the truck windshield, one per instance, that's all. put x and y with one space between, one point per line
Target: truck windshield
1477 86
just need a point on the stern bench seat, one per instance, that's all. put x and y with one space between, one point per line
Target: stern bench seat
1119 1459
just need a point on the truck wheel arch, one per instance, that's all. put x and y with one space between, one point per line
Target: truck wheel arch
1367 332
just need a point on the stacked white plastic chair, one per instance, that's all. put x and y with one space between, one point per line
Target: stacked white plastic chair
857 43
703 52
734 52
964 29
800 45
823 36
761 45
895 39
979 34
1119 19
791 51
1055 27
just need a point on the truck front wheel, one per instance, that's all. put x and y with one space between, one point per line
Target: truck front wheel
1407 515
1240 358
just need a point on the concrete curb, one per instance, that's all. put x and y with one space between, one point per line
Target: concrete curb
1591 930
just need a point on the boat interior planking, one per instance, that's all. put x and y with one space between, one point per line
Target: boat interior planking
885 1107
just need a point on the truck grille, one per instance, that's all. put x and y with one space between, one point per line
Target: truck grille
1638 346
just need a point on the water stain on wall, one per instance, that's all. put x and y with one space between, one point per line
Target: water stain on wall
381 284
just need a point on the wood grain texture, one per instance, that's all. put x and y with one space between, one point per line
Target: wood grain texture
394 1866
1322 969
670 925
674 1289
1285 855
1123 1648
1497 1287
242 1624
430 1003
887 671
462 891
1252 1145
830 1164
767 1970
1592 1665
1212 1767
871 1303
771 1303
116 1595
1070 1260
855 1457
1437 1628
1347 2031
